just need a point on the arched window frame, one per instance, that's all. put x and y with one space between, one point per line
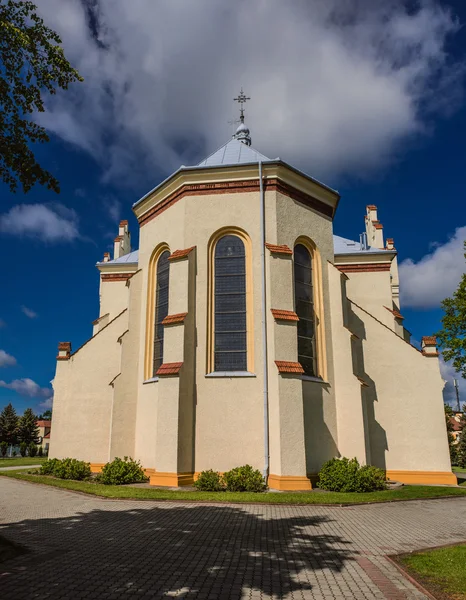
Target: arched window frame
320 346
150 311
210 359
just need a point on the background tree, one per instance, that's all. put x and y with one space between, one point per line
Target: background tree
46 415
461 446
28 430
9 425
451 439
452 338
31 62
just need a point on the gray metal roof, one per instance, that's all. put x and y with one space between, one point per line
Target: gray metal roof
233 152
344 246
341 246
127 259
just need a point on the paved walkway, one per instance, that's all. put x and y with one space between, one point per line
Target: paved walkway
19 467
89 548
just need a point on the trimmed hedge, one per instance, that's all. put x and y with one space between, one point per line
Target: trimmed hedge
347 475
120 472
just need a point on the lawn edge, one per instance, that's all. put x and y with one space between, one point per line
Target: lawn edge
223 502
403 570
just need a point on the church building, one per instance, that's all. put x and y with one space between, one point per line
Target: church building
243 331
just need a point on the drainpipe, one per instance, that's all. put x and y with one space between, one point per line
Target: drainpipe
265 472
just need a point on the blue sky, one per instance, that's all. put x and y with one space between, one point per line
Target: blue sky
380 116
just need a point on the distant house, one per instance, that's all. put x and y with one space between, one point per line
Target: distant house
45 428
455 421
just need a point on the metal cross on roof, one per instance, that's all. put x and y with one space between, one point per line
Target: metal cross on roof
242 100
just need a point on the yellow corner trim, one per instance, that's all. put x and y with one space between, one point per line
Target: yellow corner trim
423 477
289 483
171 479
96 467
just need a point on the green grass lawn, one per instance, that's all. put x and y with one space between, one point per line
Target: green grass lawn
19 460
439 570
408 492
458 470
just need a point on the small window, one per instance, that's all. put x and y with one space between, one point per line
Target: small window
304 307
230 339
161 307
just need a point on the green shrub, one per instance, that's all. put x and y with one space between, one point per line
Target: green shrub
40 451
3 448
346 475
14 453
32 450
244 479
23 448
209 481
67 468
119 472
48 466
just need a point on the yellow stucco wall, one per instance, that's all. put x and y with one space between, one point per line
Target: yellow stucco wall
83 398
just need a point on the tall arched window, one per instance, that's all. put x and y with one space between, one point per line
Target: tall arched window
304 307
161 307
230 329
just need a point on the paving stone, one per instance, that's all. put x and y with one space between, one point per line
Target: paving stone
82 547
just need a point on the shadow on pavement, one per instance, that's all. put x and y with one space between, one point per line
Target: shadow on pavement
198 551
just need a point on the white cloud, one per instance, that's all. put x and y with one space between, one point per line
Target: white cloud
449 394
6 360
336 86
45 222
424 284
29 312
27 387
48 403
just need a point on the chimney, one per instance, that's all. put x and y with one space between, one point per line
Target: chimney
122 243
374 229
106 257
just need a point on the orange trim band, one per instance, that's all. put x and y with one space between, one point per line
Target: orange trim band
289 482
171 479
116 276
423 477
364 268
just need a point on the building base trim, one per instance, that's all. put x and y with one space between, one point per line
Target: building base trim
96 467
171 479
423 477
290 483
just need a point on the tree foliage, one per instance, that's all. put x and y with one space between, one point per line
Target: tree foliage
451 439
28 431
46 415
31 63
452 338
9 425
461 446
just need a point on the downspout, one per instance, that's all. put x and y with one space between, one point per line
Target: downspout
265 472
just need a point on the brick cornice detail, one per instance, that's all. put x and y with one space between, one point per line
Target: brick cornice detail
180 254
169 369
174 319
284 315
396 313
429 340
116 276
364 267
286 366
279 249
232 187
